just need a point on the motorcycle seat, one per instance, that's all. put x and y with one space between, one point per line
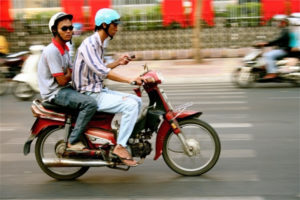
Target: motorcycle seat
57 108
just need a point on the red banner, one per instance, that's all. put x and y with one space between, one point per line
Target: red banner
95 5
5 18
295 6
172 11
274 7
175 11
74 7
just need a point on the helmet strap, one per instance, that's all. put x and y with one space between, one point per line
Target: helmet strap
63 39
106 31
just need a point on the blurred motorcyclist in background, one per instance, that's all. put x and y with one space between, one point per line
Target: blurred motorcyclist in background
295 36
4 50
283 47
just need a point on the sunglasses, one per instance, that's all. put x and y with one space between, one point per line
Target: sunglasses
65 28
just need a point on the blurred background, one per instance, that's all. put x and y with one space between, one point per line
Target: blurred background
154 29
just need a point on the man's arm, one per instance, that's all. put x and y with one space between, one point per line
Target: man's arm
63 80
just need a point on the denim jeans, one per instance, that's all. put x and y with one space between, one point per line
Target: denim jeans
87 106
117 102
271 57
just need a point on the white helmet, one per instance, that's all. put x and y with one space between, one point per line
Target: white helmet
54 19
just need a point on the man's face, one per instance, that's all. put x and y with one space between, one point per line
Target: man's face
64 29
113 29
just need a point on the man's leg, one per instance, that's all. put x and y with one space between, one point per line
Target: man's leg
271 57
86 105
117 102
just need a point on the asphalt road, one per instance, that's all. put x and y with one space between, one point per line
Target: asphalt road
259 131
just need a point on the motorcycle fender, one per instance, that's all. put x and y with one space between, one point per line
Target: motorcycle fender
166 127
22 77
36 129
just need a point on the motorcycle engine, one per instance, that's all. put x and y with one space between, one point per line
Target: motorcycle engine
140 149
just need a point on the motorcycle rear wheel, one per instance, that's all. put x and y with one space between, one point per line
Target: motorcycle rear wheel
3 84
205 145
23 91
46 148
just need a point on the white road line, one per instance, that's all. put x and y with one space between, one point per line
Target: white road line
205 93
209 97
7 129
172 198
238 153
242 175
219 102
235 137
231 125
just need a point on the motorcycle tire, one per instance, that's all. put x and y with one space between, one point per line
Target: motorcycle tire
3 84
204 142
237 81
23 91
48 140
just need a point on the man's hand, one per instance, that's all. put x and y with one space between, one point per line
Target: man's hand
261 44
124 60
295 49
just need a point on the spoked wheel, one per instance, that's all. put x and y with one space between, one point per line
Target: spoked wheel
243 79
23 91
3 84
50 145
201 139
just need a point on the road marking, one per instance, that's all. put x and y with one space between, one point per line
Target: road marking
231 125
206 93
235 137
242 175
7 129
172 198
238 153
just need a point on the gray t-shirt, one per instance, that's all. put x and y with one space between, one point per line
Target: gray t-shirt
54 62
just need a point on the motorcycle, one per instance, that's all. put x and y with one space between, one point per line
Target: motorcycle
10 66
26 82
253 71
189 146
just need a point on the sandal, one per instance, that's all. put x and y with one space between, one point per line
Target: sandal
79 146
124 156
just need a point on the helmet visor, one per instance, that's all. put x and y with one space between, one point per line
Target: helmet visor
116 21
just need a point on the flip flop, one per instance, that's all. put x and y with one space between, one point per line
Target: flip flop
127 161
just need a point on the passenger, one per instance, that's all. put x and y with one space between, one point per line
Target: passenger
54 75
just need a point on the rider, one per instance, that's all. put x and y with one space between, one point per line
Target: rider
90 72
54 75
282 42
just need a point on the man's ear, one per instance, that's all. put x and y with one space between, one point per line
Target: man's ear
104 25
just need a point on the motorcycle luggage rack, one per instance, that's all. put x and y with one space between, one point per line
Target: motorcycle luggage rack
38 110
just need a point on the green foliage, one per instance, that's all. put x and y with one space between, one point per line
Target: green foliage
247 14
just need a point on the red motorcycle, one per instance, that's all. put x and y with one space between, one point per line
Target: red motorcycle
189 145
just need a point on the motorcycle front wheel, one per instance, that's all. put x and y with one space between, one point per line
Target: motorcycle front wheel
203 142
243 80
47 147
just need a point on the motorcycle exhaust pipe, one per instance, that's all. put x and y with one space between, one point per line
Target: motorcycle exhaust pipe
56 162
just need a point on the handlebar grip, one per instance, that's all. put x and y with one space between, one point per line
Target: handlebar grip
132 56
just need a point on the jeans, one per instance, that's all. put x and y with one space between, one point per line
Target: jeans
117 102
87 106
271 57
